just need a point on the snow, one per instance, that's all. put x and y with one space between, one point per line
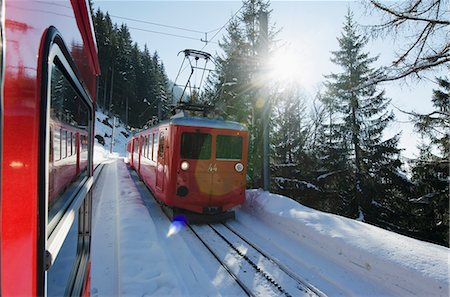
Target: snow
131 247
126 228
327 175
137 251
120 141
297 182
405 265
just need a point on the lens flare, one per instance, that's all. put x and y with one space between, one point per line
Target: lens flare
178 224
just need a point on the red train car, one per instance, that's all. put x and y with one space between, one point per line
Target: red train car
194 164
48 73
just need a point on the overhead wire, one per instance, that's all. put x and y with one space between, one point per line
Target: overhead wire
221 28
166 26
157 24
217 30
164 33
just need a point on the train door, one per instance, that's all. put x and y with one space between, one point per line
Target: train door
161 159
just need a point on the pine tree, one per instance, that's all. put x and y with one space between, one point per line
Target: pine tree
133 82
294 166
106 42
357 134
431 169
235 87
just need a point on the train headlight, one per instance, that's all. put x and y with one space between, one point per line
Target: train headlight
239 167
184 165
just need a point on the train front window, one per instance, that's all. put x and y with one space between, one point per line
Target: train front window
228 147
196 146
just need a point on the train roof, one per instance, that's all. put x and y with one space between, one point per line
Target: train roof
205 122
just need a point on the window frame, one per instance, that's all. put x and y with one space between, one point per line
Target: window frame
55 232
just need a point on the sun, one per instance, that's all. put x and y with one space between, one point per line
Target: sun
285 65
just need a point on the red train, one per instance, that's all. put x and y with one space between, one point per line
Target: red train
193 164
49 70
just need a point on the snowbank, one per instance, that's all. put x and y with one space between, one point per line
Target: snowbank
407 265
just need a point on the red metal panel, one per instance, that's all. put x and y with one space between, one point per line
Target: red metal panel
26 24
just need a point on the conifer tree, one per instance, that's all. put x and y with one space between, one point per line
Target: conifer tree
235 87
133 83
357 135
431 169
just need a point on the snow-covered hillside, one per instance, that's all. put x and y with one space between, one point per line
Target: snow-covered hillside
103 132
134 246
404 264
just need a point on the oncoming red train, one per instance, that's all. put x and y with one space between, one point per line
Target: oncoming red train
193 164
49 70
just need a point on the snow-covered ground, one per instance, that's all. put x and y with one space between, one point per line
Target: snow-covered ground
131 248
137 252
104 131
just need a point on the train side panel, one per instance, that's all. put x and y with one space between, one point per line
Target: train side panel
26 30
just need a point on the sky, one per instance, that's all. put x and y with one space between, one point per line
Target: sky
308 32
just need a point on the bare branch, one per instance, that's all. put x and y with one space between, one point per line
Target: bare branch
426 49
404 16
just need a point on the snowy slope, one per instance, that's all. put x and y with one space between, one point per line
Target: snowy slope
133 247
401 264
104 131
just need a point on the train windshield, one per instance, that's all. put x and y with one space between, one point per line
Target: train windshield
196 146
228 147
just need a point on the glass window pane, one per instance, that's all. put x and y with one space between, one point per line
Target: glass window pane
59 274
161 145
63 144
57 144
68 112
74 145
196 146
155 146
228 147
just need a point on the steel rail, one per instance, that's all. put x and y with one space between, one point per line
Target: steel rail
231 273
282 267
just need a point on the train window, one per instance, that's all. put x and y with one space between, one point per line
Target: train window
69 144
63 144
59 274
161 145
144 146
155 146
150 146
65 198
74 144
228 147
57 144
196 146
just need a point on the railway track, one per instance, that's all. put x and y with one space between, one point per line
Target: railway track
255 271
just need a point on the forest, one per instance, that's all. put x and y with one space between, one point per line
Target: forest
331 155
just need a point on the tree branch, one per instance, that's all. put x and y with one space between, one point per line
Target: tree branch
407 16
